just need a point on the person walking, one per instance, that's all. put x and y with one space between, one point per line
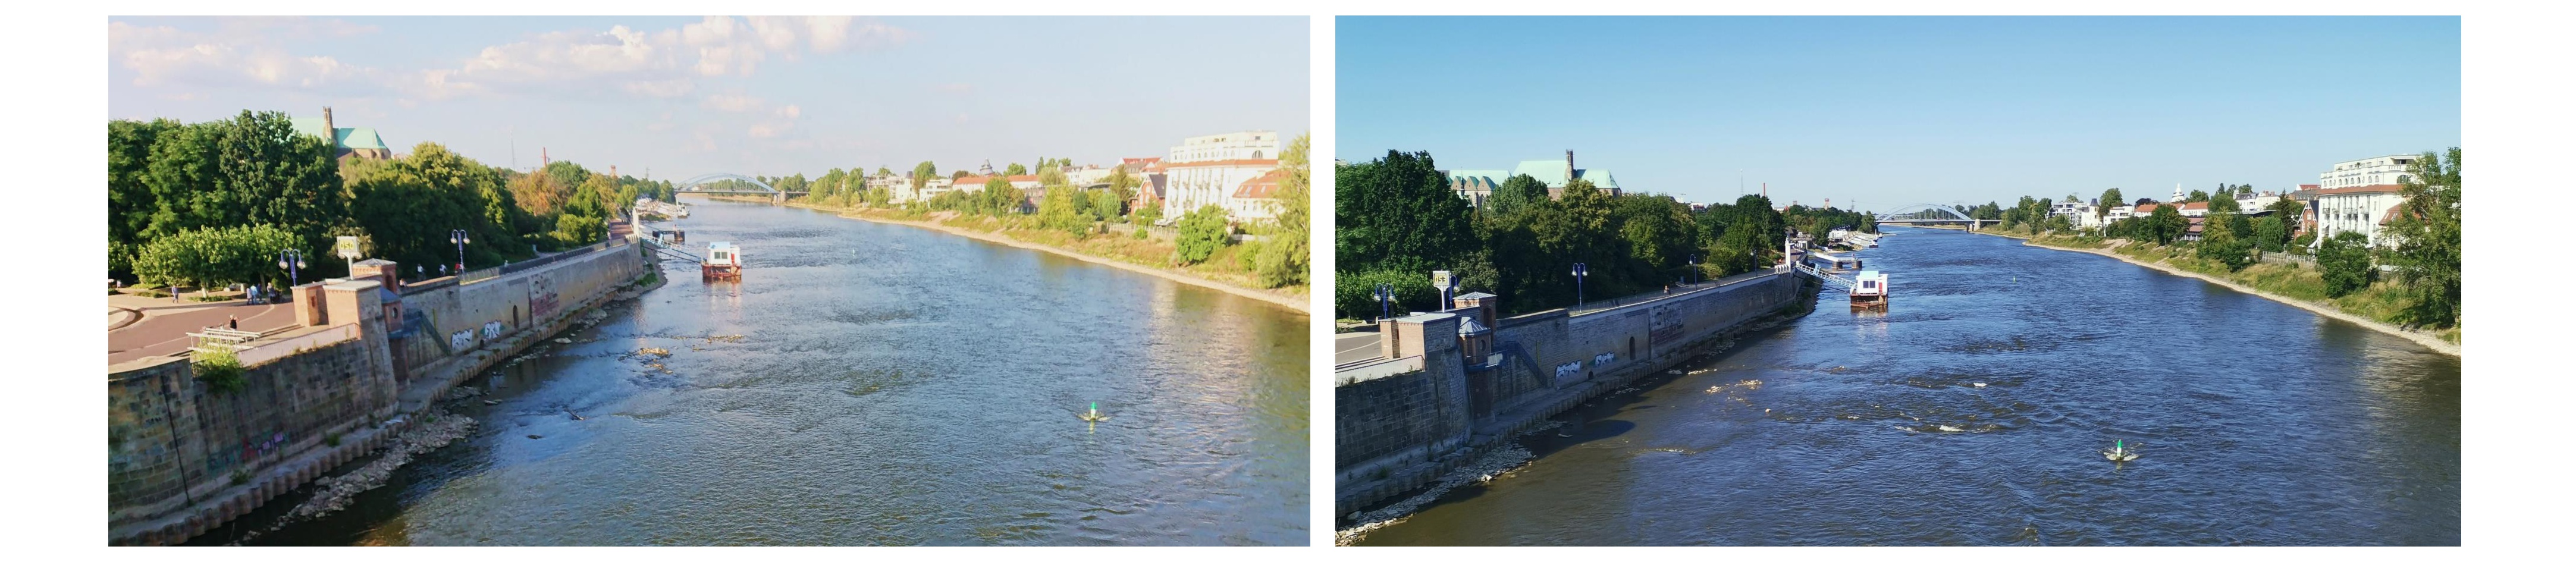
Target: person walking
235 322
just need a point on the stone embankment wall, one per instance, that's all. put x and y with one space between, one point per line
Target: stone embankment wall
1400 432
185 458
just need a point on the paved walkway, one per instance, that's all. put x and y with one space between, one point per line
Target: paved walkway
163 330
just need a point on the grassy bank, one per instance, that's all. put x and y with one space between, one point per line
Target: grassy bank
1229 269
2296 283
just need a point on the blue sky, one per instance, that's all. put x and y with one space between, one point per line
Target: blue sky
772 96
1900 110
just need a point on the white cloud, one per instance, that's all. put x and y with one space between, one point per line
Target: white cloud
791 112
669 63
241 54
732 103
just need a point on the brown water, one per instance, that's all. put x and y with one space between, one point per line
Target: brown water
892 386
1971 413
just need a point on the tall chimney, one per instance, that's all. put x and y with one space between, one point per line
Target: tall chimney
612 171
332 131
541 155
1569 169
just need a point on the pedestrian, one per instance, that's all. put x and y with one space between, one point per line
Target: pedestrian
235 322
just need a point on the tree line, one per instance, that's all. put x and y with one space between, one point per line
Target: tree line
1279 259
1397 220
2420 244
217 202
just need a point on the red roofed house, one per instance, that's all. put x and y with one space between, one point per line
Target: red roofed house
1257 198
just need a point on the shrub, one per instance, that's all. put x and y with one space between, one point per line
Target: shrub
1355 294
2344 260
1138 233
219 369
1202 232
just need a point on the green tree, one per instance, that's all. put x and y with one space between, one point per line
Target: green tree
2223 203
2166 224
1355 293
2424 238
1516 193
1015 169
2344 260
1123 185
2219 243
999 198
1056 211
1285 258
1398 213
922 173
1202 233
216 256
2110 198
2270 234
2196 196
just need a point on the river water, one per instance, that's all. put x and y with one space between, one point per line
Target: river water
891 386
1972 411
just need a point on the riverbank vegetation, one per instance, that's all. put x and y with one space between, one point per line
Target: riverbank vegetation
1105 223
175 188
1398 220
2410 279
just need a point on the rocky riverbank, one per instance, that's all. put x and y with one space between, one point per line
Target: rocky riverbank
333 493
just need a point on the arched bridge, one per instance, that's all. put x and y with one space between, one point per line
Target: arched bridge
1930 213
703 184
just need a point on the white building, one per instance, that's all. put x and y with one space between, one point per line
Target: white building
1240 145
2362 209
1220 170
2384 170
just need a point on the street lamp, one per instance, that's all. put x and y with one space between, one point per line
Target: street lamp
1693 273
1579 274
458 236
1385 292
290 260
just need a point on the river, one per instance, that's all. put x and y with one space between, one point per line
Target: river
891 386
1971 413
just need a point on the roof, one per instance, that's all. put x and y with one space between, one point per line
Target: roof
343 137
719 245
979 180
1552 173
2381 188
1476 295
2390 215
375 261
2195 206
1265 186
2145 209
1469 326
1222 163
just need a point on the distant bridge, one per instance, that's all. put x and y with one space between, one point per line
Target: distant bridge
1931 213
701 184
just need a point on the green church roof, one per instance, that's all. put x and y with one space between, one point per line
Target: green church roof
343 137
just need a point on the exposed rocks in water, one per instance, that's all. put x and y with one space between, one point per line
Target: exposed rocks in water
655 351
1483 469
563 340
535 436
463 392
333 493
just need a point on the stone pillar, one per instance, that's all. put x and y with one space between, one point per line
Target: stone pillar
309 310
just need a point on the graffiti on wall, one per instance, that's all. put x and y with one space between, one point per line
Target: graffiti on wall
1569 373
461 340
1665 325
492 329
542 300
1604 359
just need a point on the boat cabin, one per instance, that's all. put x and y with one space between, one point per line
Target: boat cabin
724 261
1869 291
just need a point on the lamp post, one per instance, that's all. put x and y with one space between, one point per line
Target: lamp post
458 236
1385 292
1579 274
1693 273
290 260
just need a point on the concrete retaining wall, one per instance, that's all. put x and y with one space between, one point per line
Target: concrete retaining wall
1397 433
185 459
